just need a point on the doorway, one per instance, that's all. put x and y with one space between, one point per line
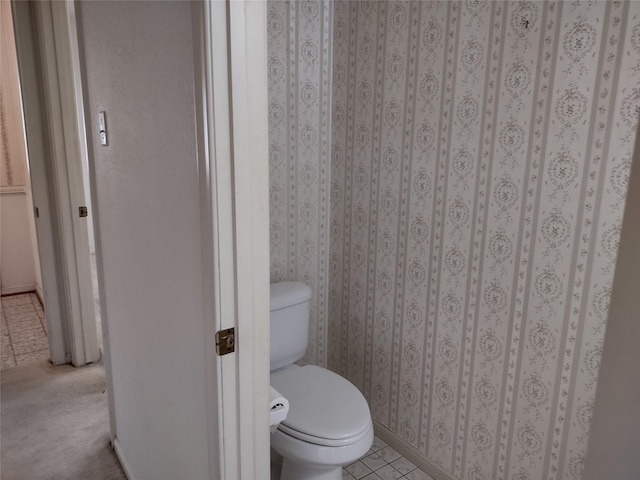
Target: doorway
24 324
24 328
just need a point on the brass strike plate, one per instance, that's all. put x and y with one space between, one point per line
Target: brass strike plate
226 341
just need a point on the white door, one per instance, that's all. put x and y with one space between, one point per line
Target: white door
176 407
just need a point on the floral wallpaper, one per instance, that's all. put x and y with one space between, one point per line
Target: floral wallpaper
13 159
299 72
449 177
480 155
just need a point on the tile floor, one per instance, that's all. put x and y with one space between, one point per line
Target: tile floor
24 330
382 462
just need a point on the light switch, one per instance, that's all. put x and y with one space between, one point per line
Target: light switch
102 128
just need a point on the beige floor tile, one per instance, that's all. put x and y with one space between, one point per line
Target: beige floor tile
17 309
28 341
31 357
15 300
378 444
374 461
358 470
23 322
35 299
345 475
388 473
417 475
7 362
389 454
403 465
6 349
372 476
21 317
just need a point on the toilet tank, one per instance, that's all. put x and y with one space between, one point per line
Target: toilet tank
289 322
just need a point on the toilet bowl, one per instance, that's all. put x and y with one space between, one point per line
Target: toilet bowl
329 423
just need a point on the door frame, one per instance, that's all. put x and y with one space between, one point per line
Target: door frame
231 56
230 52
52 105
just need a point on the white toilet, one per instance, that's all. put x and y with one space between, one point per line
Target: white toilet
329 424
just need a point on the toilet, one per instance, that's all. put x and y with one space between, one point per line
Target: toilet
329 424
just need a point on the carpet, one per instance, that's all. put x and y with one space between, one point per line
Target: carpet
54 424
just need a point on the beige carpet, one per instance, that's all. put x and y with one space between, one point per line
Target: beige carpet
54 424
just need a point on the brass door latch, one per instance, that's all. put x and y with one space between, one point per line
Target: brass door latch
226 341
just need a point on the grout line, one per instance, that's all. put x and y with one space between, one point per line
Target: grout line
375 451
44 330
13 351
42 320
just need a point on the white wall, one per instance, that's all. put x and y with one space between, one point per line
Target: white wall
299 41
17 252
19 265
138 66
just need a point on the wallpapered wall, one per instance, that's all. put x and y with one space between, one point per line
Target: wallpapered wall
478 169
480 158
299 46
13 162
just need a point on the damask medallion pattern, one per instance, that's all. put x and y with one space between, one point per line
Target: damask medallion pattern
458 206
299 75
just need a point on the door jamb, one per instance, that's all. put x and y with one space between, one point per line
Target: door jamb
52 99
234 188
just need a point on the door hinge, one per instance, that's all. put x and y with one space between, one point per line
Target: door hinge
226 341
83 211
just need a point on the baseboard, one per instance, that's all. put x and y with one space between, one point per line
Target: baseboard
411 453
18 289
13 190
123 460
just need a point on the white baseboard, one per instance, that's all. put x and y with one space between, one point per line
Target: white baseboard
13 190
19 289
411 453
123 460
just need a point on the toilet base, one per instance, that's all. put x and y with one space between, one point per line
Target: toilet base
293 471
307 461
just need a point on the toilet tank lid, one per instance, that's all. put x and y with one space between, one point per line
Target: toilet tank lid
287 294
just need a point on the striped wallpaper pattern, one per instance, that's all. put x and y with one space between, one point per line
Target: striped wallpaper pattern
449 178
480 158
299 73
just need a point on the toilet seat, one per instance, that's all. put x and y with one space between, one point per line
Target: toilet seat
324 408
325 442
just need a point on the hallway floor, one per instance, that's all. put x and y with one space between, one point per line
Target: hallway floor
24 326
23 330
55 424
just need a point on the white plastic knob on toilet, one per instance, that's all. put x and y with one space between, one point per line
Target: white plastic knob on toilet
278 408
